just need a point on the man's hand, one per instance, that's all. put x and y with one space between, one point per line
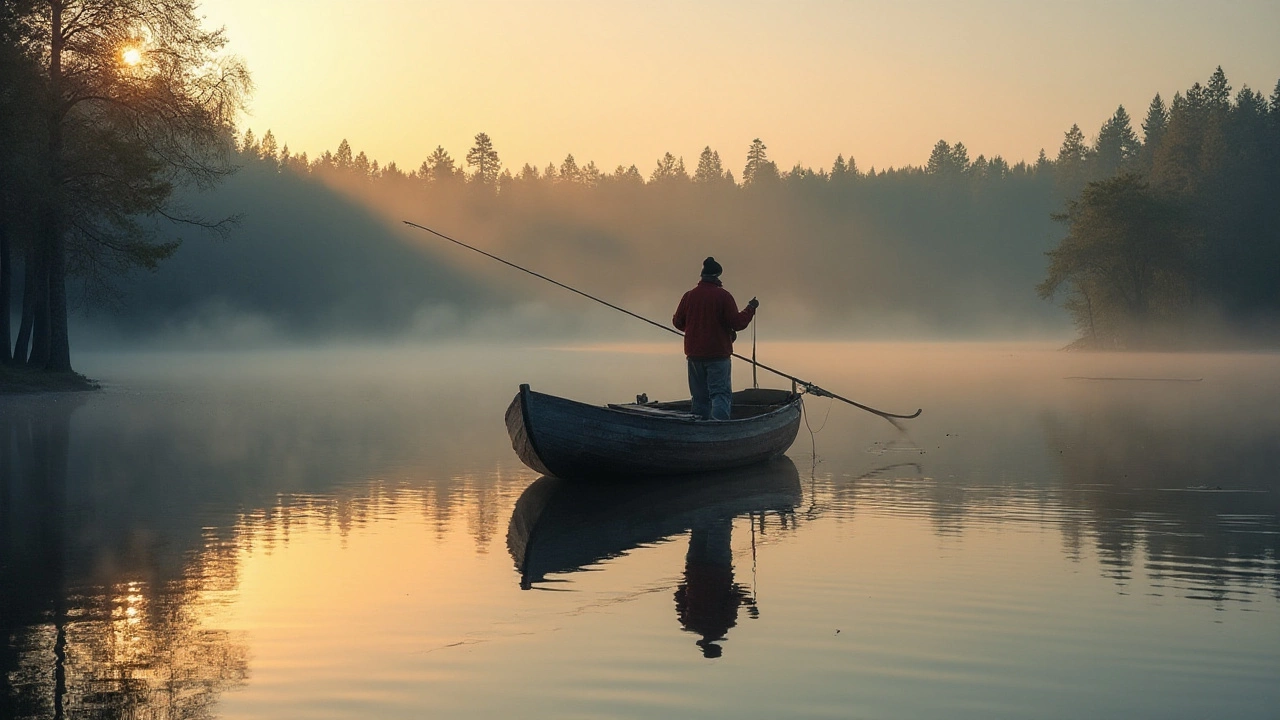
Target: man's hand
753 304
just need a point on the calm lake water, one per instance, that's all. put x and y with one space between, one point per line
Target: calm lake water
347 534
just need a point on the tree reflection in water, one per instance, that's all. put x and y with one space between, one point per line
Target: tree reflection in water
93 630
560 526
1180 486
1190 497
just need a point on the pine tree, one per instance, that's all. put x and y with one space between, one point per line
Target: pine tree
249 144
838 168
1177 161
757 159
393 172
998 168
1116 145
1156 123
1070 169
439 167
1073 150
709 169
1218 92
800 174
941 160
1153 130
669 168
980 167
1273 120
268 149
960 158
343 159
569 171
1248 120
485 160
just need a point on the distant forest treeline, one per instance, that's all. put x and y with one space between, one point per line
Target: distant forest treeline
956 246
1150 236
902 252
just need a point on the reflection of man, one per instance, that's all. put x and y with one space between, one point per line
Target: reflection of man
708 599
709 317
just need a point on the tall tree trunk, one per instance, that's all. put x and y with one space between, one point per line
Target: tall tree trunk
39 356
34 287
6 282
59 348
59 357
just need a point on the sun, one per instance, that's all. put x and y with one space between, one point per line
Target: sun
131 56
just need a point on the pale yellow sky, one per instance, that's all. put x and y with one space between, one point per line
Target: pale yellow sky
622 82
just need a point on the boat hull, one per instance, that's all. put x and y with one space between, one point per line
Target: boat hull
571 440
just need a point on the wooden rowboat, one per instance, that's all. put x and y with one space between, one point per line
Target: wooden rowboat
573 440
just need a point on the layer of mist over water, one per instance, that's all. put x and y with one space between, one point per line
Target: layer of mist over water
347 533
325 256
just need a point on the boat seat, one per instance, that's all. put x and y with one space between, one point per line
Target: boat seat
653 410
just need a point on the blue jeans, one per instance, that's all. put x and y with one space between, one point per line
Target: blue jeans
711 388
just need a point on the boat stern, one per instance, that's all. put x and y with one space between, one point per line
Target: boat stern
517 419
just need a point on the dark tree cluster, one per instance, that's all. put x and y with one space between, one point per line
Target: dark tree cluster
106 108
1173 238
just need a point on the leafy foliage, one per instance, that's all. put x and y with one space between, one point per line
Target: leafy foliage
135 99
1127 259
1179 234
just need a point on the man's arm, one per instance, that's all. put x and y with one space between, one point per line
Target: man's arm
682 313
737 320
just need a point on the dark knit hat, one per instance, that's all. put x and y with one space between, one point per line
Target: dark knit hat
711 267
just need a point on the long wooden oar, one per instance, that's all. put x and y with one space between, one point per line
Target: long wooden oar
808 386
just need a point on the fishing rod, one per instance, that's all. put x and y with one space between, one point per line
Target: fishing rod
809 387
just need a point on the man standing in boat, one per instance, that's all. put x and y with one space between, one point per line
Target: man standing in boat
709 318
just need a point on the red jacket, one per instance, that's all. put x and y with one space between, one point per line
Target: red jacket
709 318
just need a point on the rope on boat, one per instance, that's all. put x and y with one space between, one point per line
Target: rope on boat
755 383
813 434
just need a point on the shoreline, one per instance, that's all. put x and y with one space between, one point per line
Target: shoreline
25 381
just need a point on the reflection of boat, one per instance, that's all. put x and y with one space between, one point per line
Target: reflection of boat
562 526
570 439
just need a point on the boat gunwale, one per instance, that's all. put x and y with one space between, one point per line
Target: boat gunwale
793 399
